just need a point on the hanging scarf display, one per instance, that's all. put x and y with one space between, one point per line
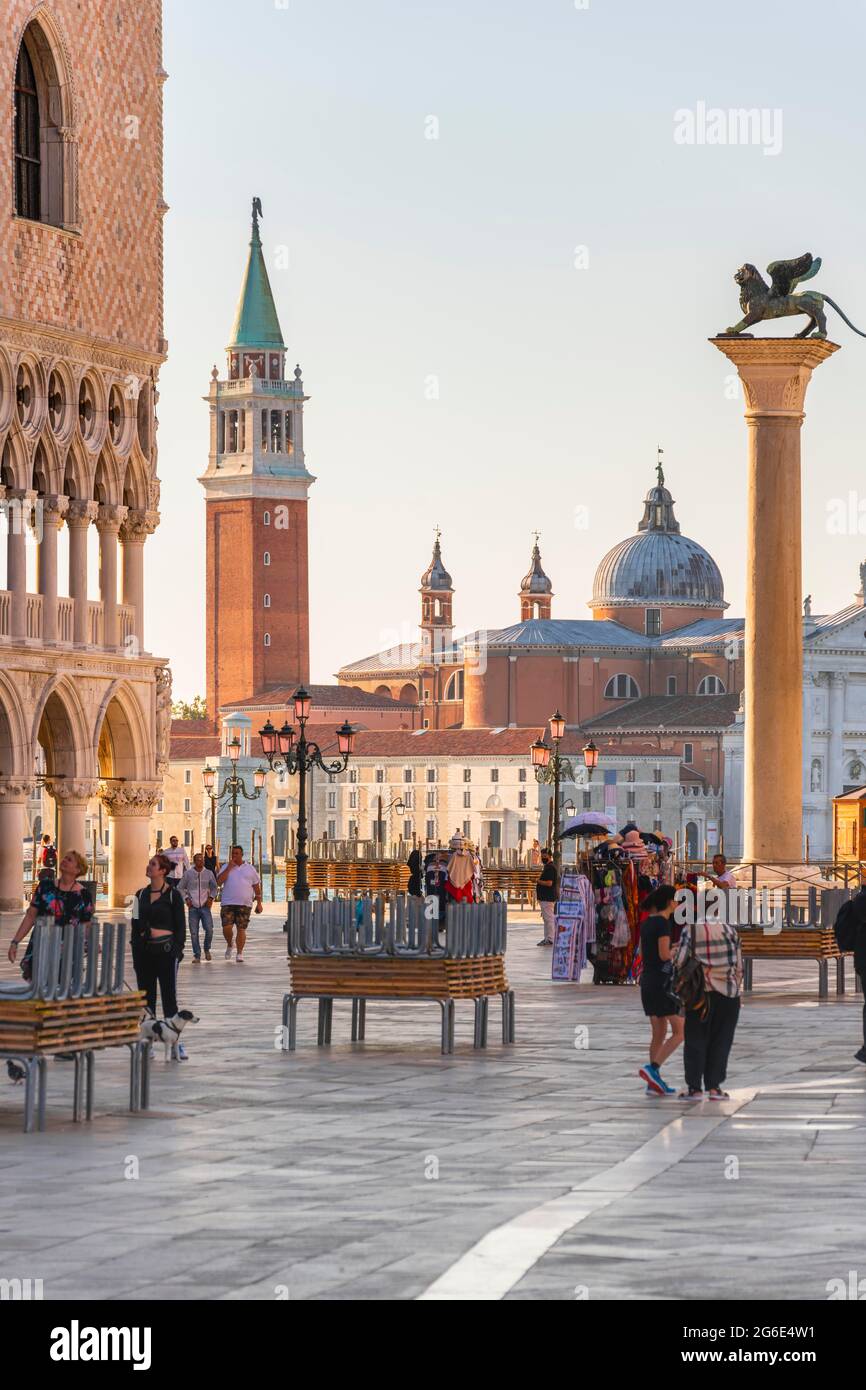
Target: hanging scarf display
575 910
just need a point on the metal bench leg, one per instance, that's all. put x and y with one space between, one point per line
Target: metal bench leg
480 1039
355 1003
88 1082
447 1007
144 1089
293 1000
41 1074
134 1075
30 1076
326 1014
858 984
77 1088
823 982
747 976
840 974
507 998
476 1034
362 1019
320 1031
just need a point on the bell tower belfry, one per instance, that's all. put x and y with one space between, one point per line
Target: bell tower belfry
256 487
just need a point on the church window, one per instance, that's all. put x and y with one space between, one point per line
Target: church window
28 163
264 431
711 685
653 619
688 753
672 685
454 688
266 518
267 557
621 687
266 601
267 639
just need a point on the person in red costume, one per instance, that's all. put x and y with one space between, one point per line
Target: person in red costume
458 884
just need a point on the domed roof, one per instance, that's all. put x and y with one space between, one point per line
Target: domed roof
536 581
659 565
436 575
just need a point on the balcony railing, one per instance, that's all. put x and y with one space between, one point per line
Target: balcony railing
65 611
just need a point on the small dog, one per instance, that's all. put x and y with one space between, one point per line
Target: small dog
166 1030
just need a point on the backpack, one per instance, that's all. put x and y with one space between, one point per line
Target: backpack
689 985
848 923
49 857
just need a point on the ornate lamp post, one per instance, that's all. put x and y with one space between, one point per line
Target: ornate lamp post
233 786
284 749
396 805
551 766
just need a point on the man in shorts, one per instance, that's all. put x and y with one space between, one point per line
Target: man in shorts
240 887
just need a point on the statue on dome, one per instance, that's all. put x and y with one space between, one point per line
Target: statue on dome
760 301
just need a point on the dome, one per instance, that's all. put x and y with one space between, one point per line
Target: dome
436 575
536 581
659 565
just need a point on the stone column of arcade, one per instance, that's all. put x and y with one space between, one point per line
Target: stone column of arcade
775 373
130 807
72 795
14 793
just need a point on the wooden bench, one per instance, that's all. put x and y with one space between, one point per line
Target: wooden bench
794 943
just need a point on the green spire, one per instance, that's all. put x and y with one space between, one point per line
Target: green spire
256 322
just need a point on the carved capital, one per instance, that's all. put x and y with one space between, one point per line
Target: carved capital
16 788
81 513
775 372
51 510
130 798
138 526
72 790
110 516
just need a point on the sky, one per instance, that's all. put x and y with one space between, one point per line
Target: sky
509 237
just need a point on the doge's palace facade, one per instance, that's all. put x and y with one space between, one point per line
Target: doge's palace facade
81 344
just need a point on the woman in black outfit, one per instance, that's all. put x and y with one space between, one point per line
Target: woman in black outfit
158 936
415 889
660 1007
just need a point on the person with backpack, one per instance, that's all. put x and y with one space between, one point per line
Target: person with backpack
708 977
850 929
47 858
659 1004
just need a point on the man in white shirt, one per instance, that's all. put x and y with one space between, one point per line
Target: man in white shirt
241 885
198 888
178 856
721 877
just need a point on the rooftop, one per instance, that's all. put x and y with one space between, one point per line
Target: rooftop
680 713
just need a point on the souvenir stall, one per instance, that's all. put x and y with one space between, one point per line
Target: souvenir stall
575 909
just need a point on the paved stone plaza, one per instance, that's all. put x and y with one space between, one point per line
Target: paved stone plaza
383 1170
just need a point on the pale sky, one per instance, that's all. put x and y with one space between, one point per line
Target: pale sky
553 262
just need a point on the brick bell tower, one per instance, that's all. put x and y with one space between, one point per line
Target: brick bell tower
256 488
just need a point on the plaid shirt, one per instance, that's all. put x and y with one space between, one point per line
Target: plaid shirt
717 947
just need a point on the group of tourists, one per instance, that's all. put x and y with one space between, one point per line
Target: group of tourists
174 889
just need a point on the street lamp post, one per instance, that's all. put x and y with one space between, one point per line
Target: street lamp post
395 805
233 786
284 749
551 766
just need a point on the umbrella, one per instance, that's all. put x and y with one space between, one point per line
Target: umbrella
652 837
587 823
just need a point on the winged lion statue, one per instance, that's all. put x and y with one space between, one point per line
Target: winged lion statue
760 301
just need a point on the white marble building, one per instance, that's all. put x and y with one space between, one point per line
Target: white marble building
834 725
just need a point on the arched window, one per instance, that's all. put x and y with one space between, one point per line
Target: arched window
454 688
28 162
266 602
266 518
711 685
267 639
45 154
267 558
621 687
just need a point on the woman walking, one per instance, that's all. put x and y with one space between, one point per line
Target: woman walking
62 898
660 1007
158 936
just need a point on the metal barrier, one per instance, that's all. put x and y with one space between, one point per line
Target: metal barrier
400 926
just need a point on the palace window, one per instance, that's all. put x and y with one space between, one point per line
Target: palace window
653 620
332 830
587 800
266 518
657 800
408 774
630 799
672 685
267 639
187 776
44 152
521 830
621 687
711 685
266 558
266 601
688 753
431 801
431 830
28 164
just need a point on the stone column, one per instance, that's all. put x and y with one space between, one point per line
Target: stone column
109 520
837 732
72 795
130 807
19 506
775 373
50 512
133 534
14 794
78 518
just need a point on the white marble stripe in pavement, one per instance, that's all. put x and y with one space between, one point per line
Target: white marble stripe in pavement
505 1255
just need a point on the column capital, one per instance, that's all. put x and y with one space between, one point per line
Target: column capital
81 513
122 799
838 677
69 790
138 525
775 371
53 509
16 788
110 516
